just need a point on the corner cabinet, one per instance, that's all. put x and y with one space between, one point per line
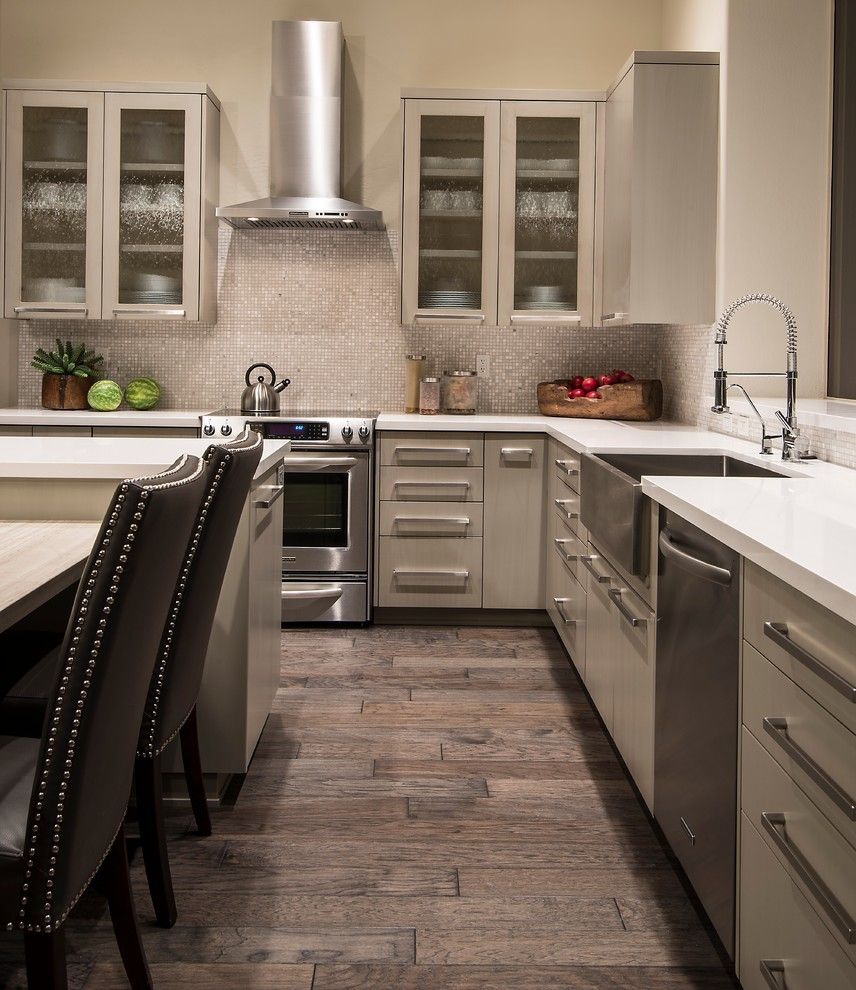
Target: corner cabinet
498 210
109 202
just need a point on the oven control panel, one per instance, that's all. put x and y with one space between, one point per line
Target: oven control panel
312 431
342 430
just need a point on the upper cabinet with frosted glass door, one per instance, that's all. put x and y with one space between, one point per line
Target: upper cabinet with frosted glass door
546 212
450 217
53 186
498 208
109 202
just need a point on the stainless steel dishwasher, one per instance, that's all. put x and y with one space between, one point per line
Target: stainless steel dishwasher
695 737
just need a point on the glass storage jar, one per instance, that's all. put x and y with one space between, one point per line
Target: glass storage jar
460 392
429 396
414 366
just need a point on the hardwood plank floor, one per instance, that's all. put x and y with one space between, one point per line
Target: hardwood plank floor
427 809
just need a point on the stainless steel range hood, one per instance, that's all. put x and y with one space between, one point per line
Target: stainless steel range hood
305 137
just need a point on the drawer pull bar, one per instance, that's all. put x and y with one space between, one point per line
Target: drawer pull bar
559 602
588 560
451 520
562 502
456 575
431 484
778 633
774 824
154 311
458 451
560 546
569 467
526 452
68 310
276 494
771 970
777 729
626 614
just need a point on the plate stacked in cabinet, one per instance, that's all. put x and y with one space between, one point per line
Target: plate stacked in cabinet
797 913
566 539
430 519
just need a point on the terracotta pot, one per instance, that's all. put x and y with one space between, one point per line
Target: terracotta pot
65 391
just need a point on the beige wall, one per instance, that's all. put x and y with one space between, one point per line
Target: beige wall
774 169
390 44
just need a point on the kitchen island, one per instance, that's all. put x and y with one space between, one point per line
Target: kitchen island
73 479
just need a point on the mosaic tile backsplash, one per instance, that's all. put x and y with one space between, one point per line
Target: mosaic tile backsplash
323 309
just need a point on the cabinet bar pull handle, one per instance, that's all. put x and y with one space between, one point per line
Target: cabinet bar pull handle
452 520
778 633
142 311
546 317
458 575
559 602
448 317
460 451
774 823
560 543
266 503
777 729
618 602
607 317
431 484
562 502
516 452
688 830
51 309
569 467
771 970
588 560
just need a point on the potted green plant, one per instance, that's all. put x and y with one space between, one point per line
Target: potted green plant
69 373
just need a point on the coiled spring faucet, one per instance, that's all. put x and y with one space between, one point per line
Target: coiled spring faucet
794 445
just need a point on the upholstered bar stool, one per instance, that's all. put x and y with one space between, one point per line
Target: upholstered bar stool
63 798
171 704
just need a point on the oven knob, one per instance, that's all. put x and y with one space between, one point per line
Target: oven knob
208 430
364 433
347 434
226 430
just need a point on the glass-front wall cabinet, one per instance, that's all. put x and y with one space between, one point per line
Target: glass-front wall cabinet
450 223
498 211
109 205
53 216
151 207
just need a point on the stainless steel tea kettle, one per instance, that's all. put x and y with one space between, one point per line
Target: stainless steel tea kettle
261 398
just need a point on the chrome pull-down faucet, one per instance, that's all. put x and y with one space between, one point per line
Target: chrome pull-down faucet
794 445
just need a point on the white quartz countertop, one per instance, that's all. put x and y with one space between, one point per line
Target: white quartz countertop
187 418
82 458
802 528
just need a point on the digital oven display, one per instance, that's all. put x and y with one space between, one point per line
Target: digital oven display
294 430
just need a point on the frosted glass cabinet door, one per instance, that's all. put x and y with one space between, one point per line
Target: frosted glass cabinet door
451 181
53 204
152 163
546 224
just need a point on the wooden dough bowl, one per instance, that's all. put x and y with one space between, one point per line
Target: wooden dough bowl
641 401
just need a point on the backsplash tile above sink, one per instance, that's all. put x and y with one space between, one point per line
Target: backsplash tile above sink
322 308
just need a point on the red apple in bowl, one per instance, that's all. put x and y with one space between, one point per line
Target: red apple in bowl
576 381
576 393
607 379
592 394
588 384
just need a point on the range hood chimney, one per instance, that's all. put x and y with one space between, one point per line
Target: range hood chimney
305 137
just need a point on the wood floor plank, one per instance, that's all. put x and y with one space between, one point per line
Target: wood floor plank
389 676
286 787
339 879
473 657
442 713
333 742
622 807
208 976
521 947
604 769
621 880
481 698
584 737
523 678
494 977
344 696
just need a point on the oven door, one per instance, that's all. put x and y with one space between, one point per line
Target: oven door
325 513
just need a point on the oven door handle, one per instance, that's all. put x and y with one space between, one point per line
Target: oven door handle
317 463
312 593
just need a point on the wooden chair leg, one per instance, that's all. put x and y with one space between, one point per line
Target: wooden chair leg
45 955
193 773
149 790
124 916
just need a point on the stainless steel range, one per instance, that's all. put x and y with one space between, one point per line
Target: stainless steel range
326 557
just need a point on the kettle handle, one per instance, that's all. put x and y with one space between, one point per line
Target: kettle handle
260 365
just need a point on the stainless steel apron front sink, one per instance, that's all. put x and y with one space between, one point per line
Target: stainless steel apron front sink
617 514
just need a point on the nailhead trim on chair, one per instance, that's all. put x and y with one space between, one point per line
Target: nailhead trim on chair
50 923
147 749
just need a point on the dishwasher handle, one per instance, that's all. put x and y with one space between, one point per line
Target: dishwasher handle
695 566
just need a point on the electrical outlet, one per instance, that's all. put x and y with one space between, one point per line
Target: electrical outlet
483 365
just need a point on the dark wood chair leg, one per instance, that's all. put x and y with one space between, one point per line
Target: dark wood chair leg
45 955
193 773
149 790
124 916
